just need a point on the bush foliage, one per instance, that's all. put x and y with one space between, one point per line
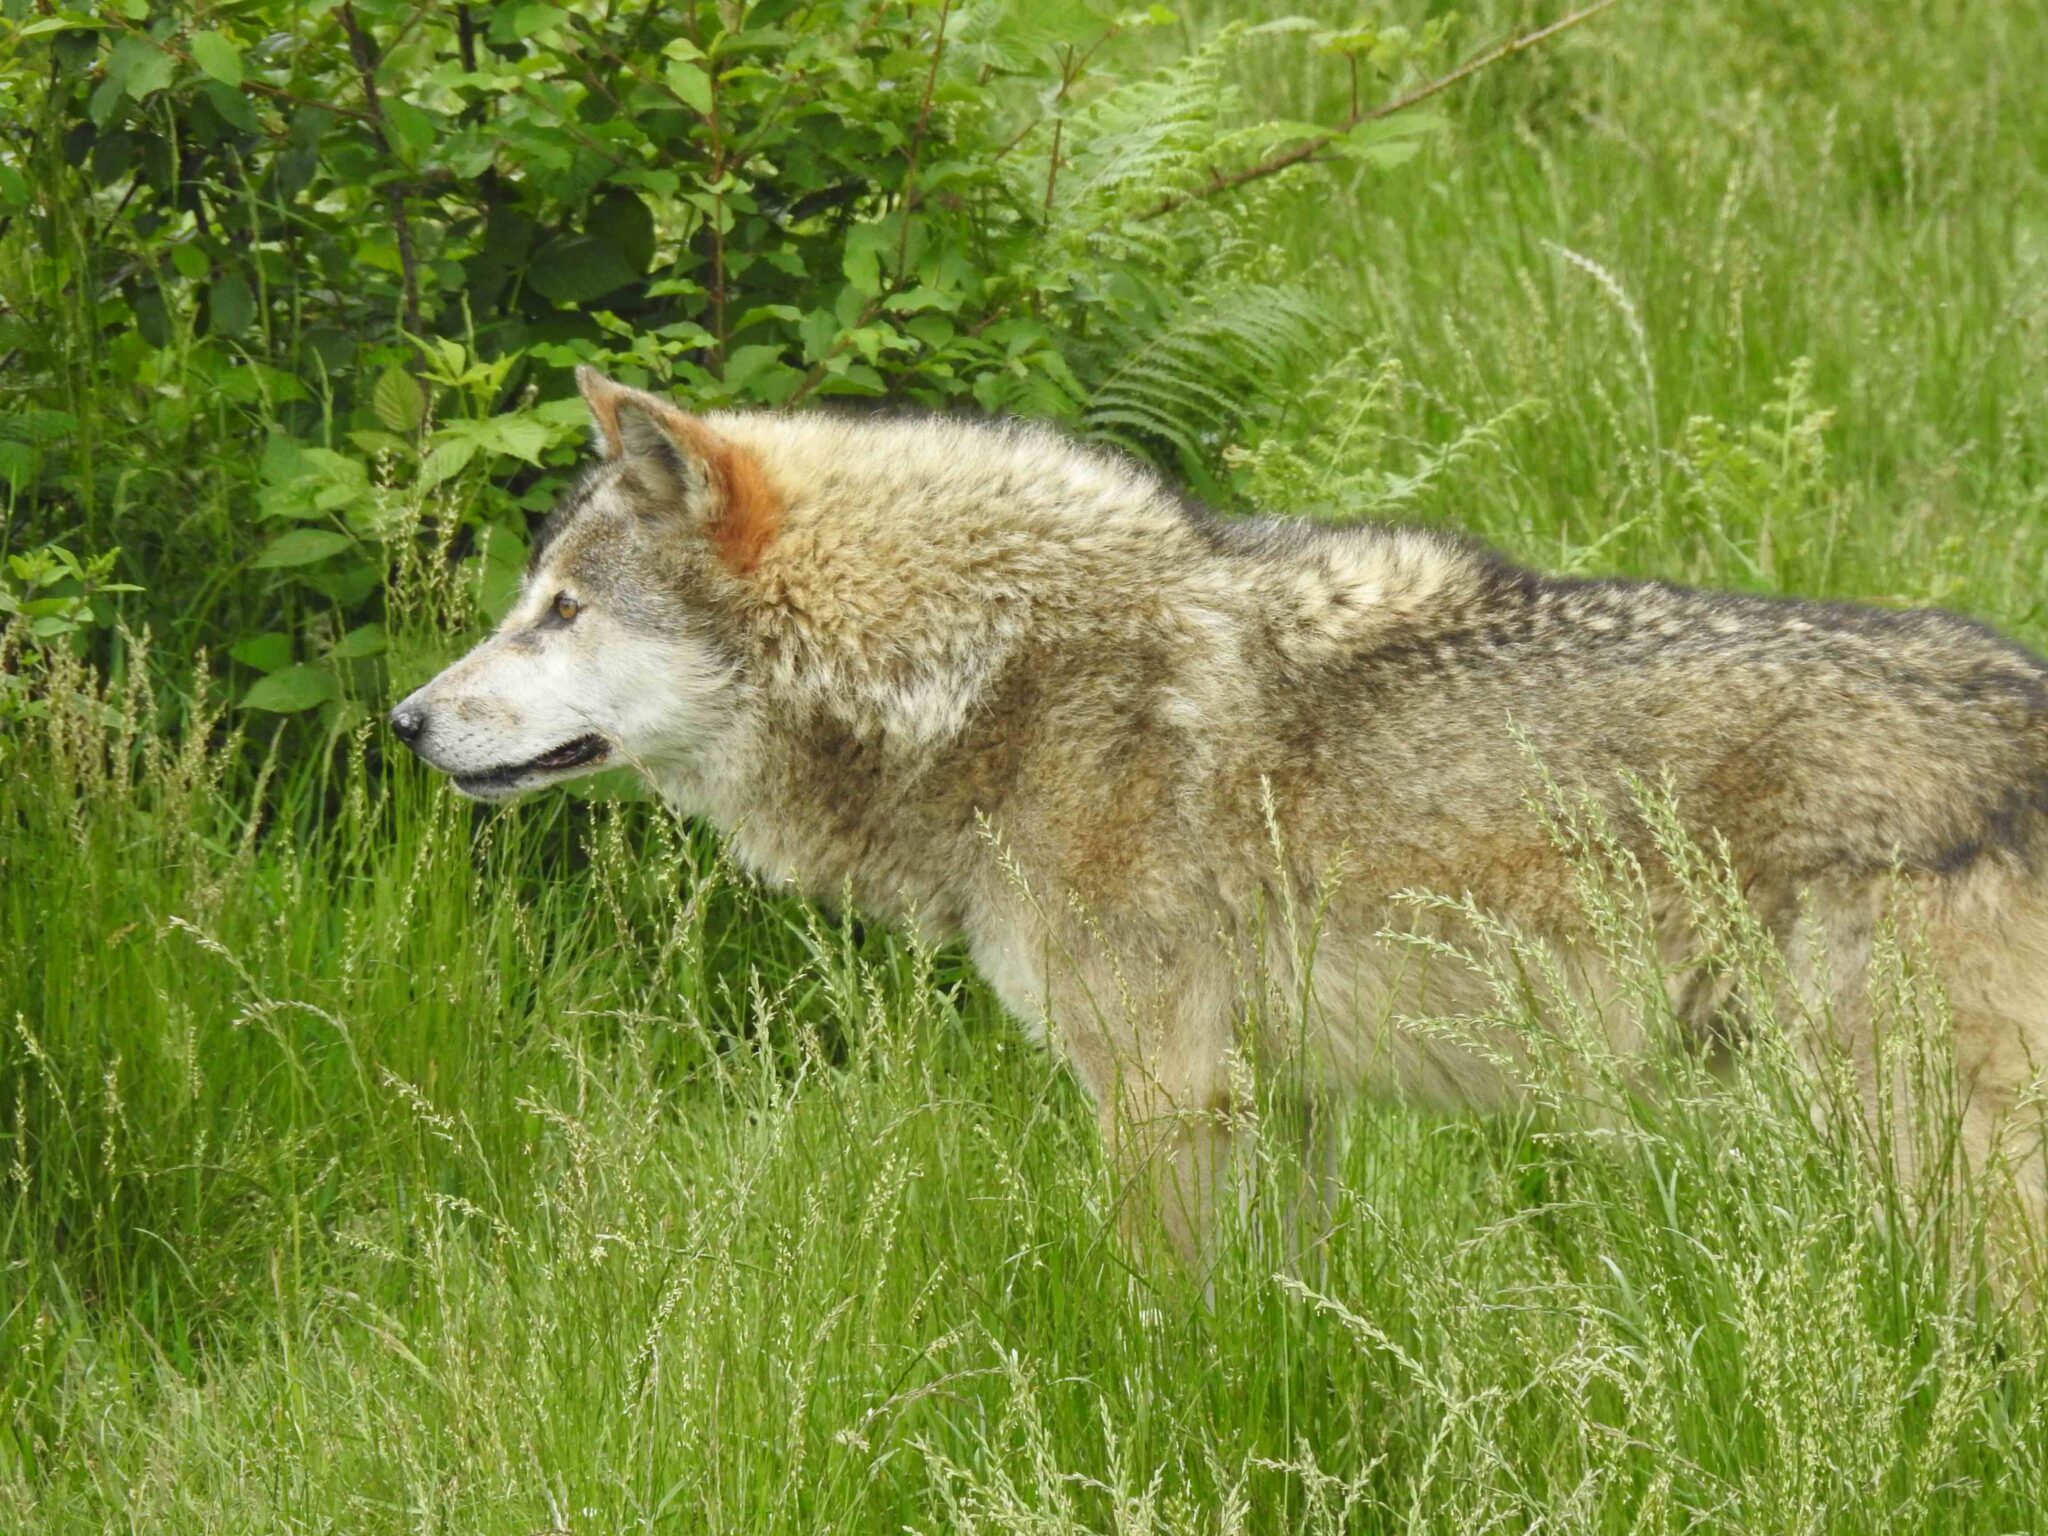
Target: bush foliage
323 270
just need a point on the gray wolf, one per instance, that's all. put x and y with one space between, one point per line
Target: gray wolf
1014 692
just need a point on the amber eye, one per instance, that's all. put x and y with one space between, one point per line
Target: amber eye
566 607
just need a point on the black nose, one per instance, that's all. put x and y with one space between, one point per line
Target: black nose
406 724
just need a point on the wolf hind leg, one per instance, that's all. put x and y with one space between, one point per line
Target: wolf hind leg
1180 1158
2001 1135
1985 933
1989 935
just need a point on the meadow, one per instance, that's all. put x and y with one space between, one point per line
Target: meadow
373 1161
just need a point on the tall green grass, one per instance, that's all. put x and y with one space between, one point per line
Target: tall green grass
372 1162
1638 238
444 1169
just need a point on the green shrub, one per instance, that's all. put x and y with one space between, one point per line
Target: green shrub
50 600
296 291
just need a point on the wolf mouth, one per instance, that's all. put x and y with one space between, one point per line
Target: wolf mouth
579 753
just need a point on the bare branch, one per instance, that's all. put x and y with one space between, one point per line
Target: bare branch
896 280
1308 149
924 115
364 52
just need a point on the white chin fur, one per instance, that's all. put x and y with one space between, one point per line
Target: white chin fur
495 791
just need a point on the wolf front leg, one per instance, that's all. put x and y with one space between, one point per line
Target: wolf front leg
1155 1053
1171 1152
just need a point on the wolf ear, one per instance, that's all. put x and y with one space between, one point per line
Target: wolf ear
744 510
630 423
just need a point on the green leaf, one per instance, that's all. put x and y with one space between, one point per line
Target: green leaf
690 82
18 463
1390 140
105 101
303 481
746 362
409 130
190 261
231 305
301 546
578 269
214 53
63 22
528 20
921 297
374 440
504 545
623 220
398 400
233 106
290 689
862 258
448 458
520 436
788 313
363 640
140 66
1357 40
266 652
497 588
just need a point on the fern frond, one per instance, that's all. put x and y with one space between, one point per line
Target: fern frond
1135 143
1182 387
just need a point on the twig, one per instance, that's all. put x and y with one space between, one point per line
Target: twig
816 376
718 215
1052 165
652 82
924 115
530 87
1018 137
365 55
1309 148
895 281
405 29
1071 66
1070 70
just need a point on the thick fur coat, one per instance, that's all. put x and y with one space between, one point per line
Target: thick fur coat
1017 693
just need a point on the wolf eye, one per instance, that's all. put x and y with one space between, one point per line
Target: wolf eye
566 607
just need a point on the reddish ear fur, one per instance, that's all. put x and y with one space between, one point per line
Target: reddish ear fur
749 513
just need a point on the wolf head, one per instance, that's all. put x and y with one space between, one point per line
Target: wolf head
618 648
718 589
